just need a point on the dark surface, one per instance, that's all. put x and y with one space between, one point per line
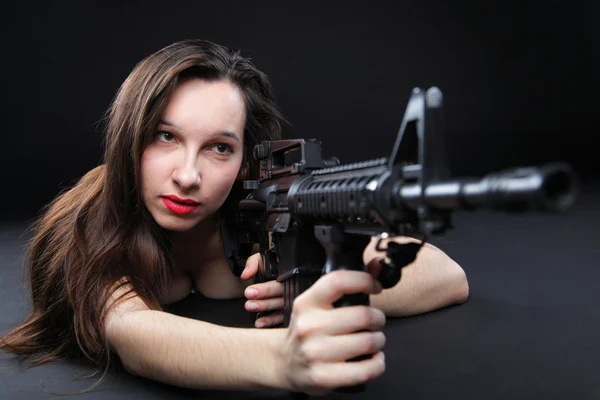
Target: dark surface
530 329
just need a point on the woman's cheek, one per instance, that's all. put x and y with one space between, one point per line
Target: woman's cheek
221 180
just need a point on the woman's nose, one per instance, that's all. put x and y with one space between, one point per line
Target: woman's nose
186 177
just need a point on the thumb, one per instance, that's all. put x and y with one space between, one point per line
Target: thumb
251 266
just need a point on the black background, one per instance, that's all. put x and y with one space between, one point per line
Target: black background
520 78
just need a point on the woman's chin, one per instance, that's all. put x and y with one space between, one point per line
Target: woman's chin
177 223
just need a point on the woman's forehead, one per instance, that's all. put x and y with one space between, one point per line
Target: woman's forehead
198 105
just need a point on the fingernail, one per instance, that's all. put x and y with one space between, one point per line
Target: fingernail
251 293
251 306
260 324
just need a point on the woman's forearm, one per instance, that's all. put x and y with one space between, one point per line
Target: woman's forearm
433 281
195 354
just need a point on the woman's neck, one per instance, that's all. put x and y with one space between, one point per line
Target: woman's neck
198 245
201 232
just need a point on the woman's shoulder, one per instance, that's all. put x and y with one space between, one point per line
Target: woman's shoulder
216 281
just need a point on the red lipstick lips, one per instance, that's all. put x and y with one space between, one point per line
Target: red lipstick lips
178 205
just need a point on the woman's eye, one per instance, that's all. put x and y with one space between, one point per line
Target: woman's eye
222 148
165 136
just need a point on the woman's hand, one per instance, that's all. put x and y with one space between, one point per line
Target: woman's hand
320 338
265 298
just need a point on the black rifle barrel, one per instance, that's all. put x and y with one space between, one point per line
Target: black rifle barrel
551 187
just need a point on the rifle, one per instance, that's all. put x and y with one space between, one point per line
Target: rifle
310 216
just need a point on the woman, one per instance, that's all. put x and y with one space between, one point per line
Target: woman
141 231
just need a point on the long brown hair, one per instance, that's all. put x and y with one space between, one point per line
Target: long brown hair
98 234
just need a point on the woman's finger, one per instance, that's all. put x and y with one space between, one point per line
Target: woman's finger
341 374
252 265
264 290
340 321
265 305
332 286
343 347
269 320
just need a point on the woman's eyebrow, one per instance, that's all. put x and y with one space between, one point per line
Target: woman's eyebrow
165 122
223 133
229 135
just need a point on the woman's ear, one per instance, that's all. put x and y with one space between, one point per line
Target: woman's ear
243 173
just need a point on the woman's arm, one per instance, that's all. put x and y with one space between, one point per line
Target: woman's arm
433 281
191 353
308 356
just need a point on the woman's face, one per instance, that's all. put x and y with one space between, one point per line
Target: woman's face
193 159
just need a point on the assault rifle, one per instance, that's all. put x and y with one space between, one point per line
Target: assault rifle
310 216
